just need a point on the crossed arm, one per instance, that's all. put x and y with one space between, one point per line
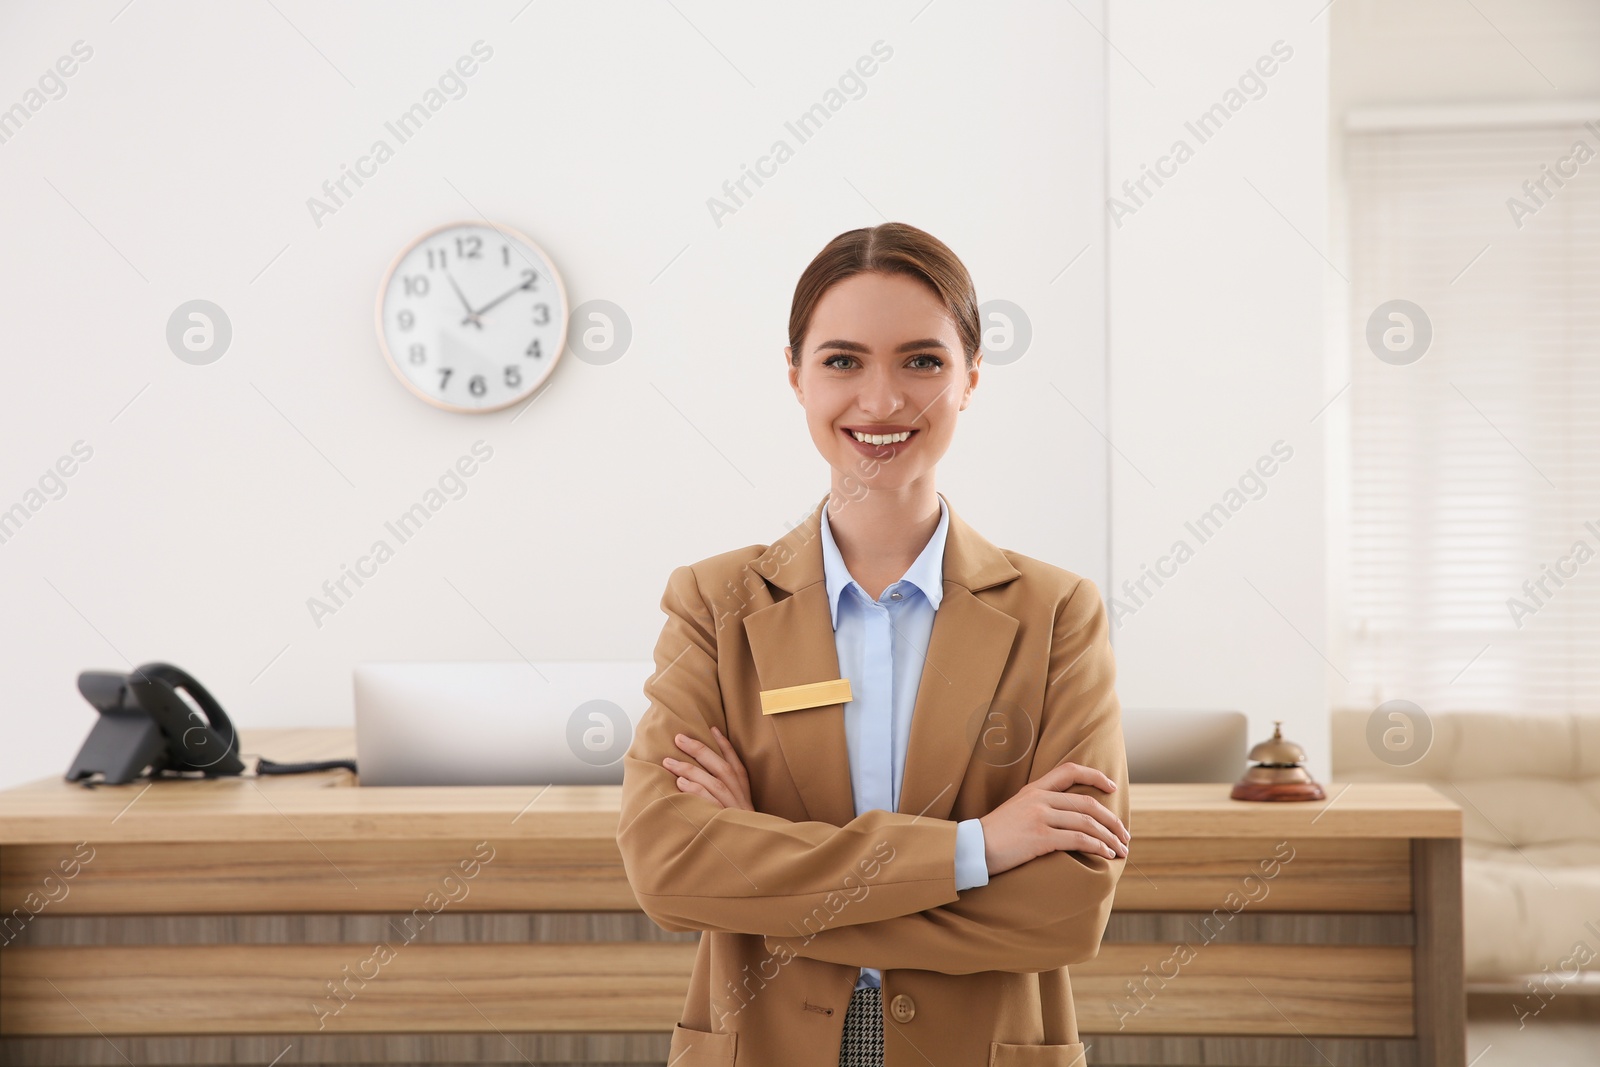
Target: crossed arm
696 863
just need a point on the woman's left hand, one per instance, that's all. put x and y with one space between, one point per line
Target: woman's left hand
718 778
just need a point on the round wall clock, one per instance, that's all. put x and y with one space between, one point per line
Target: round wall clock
472 317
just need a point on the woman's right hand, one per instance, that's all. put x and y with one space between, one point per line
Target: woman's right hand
1041 819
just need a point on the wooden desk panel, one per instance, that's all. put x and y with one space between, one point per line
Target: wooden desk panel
1164 874
326 876
282 989
451 988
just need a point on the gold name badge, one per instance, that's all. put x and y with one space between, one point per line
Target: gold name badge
810 695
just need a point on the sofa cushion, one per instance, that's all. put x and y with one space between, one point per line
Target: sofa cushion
1531 909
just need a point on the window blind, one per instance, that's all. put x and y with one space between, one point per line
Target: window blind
1474 476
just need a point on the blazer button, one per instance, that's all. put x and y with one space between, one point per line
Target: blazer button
903 1008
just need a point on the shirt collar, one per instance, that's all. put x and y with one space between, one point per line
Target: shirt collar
926 573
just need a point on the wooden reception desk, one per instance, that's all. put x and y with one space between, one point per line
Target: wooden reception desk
202 922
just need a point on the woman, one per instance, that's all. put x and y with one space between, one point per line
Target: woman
868 767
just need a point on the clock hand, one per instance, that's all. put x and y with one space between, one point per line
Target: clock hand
504 295
472 316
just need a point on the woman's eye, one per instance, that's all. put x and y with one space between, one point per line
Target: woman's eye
937 362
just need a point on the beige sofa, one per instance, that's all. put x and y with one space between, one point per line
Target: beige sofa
1529 790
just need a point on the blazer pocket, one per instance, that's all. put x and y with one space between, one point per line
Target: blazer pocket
697 1048
1004 1055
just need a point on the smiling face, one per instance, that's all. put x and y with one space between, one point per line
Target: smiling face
882 357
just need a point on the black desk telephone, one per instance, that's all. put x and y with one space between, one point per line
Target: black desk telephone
145 726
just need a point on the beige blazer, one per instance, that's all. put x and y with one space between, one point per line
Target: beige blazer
799 894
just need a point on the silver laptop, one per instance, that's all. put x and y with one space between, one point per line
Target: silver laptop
511 723
1185 745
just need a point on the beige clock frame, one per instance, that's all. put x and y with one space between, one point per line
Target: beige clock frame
399 372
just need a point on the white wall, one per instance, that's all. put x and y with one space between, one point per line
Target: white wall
219 498
1216 345
1420 52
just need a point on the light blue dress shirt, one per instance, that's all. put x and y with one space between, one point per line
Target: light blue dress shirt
882 645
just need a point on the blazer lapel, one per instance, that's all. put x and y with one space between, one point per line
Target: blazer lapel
792 643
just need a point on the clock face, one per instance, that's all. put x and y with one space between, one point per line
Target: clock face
472 317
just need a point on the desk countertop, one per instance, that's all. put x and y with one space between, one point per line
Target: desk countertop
330 806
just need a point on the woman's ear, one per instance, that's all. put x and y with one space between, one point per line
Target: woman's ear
794 372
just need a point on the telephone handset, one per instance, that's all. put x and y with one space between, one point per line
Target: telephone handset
146 726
